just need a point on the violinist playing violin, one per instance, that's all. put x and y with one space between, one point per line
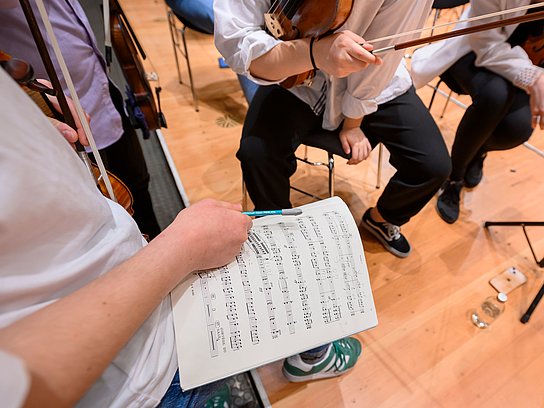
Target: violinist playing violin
366 99
500 71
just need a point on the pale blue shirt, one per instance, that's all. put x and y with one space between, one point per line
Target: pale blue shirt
83 59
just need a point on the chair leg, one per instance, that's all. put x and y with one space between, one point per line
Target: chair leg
195 99
331 174
435 19
379 171
435 90
446 104
244 196
175 43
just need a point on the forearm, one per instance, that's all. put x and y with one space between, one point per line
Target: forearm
286 59
68 344
350 123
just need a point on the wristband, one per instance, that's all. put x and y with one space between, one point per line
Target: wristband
312 40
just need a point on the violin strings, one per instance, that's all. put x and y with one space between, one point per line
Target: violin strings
468 20
73 95
274 6
289 9
278 8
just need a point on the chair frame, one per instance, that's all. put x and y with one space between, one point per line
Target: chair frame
177 43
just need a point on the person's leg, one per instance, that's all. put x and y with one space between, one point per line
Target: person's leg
418 153
515 128
275 123
492 98
197 12
175 397
125 159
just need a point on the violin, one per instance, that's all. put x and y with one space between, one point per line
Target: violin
532 42
534 47
141 103
120 189
294 19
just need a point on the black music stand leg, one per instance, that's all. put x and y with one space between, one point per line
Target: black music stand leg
525 318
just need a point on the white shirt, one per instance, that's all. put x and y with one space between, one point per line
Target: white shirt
241 38
14 380
57 234
491 48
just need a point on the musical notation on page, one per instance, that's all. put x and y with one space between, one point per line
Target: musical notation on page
298 283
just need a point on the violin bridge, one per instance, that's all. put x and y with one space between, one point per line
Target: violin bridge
273 25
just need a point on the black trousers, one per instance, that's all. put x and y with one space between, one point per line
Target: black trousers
498 119
277 120
125 159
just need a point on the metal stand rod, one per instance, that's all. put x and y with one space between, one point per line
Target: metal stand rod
525 318
521 224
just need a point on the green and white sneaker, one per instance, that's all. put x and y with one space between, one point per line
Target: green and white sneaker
339 359
221 399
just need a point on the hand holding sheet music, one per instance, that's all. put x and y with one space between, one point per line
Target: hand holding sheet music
299 282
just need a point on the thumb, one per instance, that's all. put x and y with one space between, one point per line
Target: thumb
66 131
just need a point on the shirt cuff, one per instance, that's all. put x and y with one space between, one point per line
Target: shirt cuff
353 107
527 77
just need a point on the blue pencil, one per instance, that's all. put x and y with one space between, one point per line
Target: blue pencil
287 211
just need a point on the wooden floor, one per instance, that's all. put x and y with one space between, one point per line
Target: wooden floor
424 352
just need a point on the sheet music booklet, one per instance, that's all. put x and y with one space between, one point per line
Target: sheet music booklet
299 282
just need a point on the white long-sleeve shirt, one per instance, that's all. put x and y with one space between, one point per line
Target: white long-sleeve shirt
491 48
58 234
241 38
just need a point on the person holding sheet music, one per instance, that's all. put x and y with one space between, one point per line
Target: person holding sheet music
366 100
85 316
506 87
115 137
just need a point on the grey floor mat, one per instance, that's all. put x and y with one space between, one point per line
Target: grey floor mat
166 199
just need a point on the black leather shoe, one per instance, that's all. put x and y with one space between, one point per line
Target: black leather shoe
449 197
475 172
